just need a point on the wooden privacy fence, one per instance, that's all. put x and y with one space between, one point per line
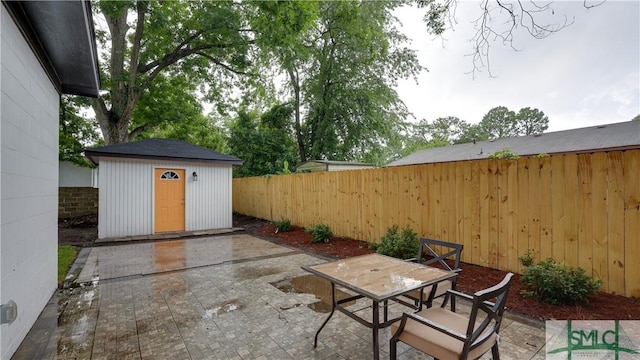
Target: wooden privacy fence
579 209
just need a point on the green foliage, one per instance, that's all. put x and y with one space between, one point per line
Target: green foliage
499 122
200 47
75 133
283 225
403 245
542 155
557 284
351 112
527 259
341 73
504 154
66 256
285 168
262 143
531 121
170 109
320 232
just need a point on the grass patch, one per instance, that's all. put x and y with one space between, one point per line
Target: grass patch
66 256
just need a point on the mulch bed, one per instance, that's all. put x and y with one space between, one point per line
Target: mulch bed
602 306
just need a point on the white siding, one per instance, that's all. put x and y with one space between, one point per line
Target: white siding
208 203
28 186
126 193
349 167
72 175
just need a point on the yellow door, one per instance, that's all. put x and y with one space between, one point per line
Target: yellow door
169 196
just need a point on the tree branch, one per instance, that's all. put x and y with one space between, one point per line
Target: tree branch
221 64
520 15
137 131
135 53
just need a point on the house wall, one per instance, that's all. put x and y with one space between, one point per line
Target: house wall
348 167
126 192
28 186
72 175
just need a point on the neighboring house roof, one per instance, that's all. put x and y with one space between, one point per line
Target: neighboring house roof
617 136
160 149
62 36
328 163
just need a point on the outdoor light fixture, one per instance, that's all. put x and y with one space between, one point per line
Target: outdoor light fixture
195 176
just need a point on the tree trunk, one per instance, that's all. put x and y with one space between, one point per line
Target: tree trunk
293 76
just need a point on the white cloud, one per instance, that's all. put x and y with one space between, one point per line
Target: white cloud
586 74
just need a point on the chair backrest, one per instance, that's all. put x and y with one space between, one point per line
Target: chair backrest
476 335
449 251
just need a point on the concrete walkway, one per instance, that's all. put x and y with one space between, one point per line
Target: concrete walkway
224 297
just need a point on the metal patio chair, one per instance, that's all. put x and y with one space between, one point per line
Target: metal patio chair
445 334
427 255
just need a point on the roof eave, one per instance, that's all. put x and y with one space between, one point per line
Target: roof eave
95 156
62 36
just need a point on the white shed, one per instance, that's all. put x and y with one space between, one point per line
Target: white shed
162 185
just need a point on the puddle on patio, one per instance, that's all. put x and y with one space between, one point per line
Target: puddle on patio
311 284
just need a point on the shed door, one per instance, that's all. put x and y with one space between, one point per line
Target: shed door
169 200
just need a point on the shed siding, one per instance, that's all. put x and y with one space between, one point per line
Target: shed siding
127 201
29 172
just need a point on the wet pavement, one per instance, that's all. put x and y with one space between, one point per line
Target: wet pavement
223 297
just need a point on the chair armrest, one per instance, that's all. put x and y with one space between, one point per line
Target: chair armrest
468 297
435 326
460 294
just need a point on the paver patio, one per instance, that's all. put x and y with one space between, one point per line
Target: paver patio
212 298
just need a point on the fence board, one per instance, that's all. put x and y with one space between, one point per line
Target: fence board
599 200
615 225
557 207
579 209
533 206
632 222
546 212
493 213
584 206
512 216
471 250
475 213
571 215
483 205
522 213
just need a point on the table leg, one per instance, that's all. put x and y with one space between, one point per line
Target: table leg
333 308
376 327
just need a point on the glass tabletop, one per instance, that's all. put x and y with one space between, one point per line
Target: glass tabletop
379 277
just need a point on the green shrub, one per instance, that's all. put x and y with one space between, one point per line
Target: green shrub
403 245
283 225
504 154
320 232
557 284
527 259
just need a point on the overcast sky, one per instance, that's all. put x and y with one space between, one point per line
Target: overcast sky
586 74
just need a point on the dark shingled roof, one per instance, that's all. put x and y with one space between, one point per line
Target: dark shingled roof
618 136
161 149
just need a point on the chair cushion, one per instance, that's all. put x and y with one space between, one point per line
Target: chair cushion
436 343
440 290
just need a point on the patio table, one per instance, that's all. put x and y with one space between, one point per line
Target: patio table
379 278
